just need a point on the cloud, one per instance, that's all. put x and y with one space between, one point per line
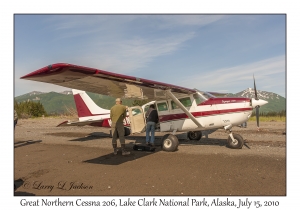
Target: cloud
170 21
69 22
129 54
232 78
122 43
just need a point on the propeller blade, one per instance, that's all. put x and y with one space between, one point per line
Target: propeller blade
257 107
257 116
256 98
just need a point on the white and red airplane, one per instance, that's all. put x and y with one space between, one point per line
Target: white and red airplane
89 113
180 109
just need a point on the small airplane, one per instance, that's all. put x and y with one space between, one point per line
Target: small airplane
179 109
89 113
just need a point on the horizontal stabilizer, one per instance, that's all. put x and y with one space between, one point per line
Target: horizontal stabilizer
79 123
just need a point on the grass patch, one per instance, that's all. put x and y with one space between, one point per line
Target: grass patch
269 119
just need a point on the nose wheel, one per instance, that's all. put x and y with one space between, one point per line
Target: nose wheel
235 141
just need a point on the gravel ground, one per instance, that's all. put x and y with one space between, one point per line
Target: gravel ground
46 155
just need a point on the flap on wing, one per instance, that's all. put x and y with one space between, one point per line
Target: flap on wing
104 82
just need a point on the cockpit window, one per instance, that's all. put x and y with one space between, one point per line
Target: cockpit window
136 111
185 101
201 97
208 95
173 105
146 108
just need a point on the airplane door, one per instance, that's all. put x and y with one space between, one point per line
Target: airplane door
137 119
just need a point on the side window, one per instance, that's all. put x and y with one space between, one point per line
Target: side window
136 111
185 101
146 108
162 106
173 105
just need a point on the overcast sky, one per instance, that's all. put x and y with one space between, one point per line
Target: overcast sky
209 52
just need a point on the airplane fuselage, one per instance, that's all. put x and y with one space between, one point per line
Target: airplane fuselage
197 112
212 114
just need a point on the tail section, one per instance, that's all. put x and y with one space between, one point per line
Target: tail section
85 106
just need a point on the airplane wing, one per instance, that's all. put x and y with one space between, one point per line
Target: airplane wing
80 123
104 82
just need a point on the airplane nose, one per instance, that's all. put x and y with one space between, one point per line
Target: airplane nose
258 102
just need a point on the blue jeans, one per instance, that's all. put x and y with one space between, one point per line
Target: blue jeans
150 127
244 124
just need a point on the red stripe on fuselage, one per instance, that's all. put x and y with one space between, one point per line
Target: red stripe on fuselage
183 116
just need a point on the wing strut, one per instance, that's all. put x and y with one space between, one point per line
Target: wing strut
170 94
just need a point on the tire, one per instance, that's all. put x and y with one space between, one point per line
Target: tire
238 145
169 143
194 135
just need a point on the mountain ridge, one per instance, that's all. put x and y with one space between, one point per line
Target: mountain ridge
54 102
276 103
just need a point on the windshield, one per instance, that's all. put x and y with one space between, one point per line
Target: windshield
208 95
201 97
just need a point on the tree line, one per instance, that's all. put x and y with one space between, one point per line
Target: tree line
282 113
28 109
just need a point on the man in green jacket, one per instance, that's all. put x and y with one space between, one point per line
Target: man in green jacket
117 115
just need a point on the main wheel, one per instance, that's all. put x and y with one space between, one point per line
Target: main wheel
169 143
194 135
235 145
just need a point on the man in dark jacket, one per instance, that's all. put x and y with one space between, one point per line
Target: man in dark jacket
151 119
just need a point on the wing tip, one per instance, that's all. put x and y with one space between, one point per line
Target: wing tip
45 70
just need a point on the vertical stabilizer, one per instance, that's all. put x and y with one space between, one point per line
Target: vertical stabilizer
86 106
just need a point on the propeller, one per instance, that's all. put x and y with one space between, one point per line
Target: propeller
257 107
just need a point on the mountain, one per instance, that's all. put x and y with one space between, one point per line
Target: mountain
54 102
276 103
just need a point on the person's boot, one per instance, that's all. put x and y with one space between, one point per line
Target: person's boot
115 149
124 152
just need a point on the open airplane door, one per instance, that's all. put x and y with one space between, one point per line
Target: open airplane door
137 119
